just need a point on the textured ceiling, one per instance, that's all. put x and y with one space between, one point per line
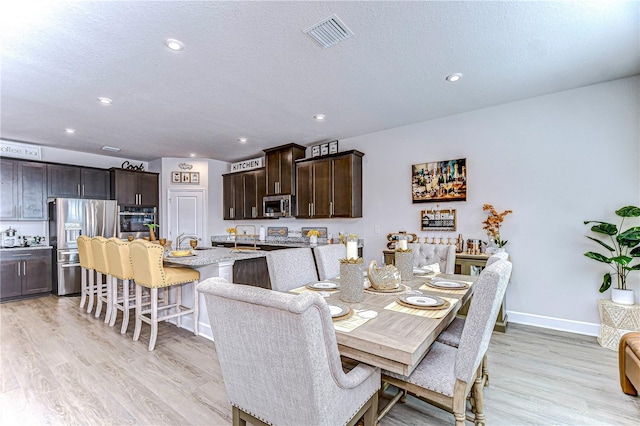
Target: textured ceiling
248 70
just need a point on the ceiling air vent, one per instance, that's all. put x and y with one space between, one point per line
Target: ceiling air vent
329 31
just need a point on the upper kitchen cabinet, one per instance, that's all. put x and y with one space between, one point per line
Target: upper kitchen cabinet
330 186
23 190
78 182
131 188
280 168
242 195
254 191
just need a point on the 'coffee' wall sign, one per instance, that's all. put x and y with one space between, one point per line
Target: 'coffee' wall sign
256 163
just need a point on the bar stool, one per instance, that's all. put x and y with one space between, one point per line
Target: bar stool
87 272
101 265
149 272
118 254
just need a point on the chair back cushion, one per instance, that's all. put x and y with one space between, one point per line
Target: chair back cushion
428 254
118 255
146 261
85 252
485 304
278 355
497 256
291 268
328 259
99 249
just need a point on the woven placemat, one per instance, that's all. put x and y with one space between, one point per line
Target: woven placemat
349 324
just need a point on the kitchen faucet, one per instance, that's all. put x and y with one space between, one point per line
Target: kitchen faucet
183 237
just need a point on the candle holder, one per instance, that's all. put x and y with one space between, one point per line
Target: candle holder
404 263
351 280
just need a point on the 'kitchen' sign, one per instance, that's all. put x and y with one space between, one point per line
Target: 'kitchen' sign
256 163
19 150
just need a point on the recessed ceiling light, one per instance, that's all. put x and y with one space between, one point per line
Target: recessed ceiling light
242 140
105 101
454 77
192 155
110 148
174 44
70 131
319 117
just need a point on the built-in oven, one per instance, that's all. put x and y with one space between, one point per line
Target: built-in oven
133 221
277 205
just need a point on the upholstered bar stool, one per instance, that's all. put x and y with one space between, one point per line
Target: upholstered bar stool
118 254
101 265
149 272
87 272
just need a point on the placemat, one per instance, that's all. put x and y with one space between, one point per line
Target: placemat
349 324
394 306
450 291
304 289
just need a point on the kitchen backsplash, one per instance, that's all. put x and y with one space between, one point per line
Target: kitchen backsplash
28 228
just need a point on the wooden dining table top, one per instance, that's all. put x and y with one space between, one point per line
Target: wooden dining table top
397 341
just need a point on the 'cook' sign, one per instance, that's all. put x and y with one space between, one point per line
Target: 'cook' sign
19 150
256 163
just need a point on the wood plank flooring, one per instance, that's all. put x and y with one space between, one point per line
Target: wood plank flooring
61 366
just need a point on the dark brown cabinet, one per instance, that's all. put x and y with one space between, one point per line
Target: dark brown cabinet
280 169
78 182
242 195
131 188
25 272
23 190
330 186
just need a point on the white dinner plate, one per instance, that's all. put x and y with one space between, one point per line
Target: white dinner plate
338 310
423 300
323 285
448 284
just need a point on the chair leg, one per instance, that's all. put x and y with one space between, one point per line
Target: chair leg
109 310
154 318
485 370
235 414
476 391
126 286
371 415
99 294
136 332
196 315
92 289
83 287
114 300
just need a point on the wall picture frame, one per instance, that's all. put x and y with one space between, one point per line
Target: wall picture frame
315 151
333 147
324 149
185 177
175 177
439 181
194 177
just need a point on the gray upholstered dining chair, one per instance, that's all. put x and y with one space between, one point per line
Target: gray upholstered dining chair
280 361
291 268
428 254
447 374
328 259
451 335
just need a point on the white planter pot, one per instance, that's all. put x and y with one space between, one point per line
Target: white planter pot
313 239
623 297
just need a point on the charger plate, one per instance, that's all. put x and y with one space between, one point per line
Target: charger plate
339 311
401 289
422 302
323 285
447 285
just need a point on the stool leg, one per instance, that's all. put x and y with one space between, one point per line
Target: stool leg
196 317
92 289
114 300
154 318
179 303
136 332
83 287
109 310
126 286
98 293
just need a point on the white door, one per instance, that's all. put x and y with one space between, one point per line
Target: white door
187 216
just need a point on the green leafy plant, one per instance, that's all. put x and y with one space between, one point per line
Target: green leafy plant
622 248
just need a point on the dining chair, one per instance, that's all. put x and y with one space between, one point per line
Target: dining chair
87 271
328 259
279 359
291 268
428 254
447 374
118 253
101 265
451 335
149 272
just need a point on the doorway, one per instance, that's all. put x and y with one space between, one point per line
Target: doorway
186 215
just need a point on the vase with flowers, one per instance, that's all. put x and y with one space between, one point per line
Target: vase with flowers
492 226
313 235
232 233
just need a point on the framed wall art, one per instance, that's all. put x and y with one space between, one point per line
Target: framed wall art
439 181
333 147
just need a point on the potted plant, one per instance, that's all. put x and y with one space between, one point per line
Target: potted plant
622 247
152 227
313 235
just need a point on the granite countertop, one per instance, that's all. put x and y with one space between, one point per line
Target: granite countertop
292 242
213 255
25 248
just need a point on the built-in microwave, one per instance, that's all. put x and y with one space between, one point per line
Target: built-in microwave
133 221
277 205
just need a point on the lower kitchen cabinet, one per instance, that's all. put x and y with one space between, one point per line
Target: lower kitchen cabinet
25 272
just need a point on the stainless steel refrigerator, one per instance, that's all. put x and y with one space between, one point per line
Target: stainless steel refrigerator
68 219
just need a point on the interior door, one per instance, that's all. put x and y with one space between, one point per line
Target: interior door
186 216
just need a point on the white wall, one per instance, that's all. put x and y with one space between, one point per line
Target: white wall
555 160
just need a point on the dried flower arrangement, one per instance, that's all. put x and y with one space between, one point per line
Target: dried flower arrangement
313 233
493 222
231 230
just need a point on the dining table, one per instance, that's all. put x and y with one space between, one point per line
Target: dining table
382 332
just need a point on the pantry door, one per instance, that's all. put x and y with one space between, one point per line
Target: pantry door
187 215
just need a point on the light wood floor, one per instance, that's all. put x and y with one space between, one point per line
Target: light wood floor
61 366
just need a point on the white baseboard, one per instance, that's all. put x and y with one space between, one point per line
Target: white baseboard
578 327
204 330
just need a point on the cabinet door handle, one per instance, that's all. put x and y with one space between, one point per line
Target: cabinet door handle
331 208
309 209
18 264
78 190
24 268
83 189
231 212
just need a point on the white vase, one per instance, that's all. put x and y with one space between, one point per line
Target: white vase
623 297
313 239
